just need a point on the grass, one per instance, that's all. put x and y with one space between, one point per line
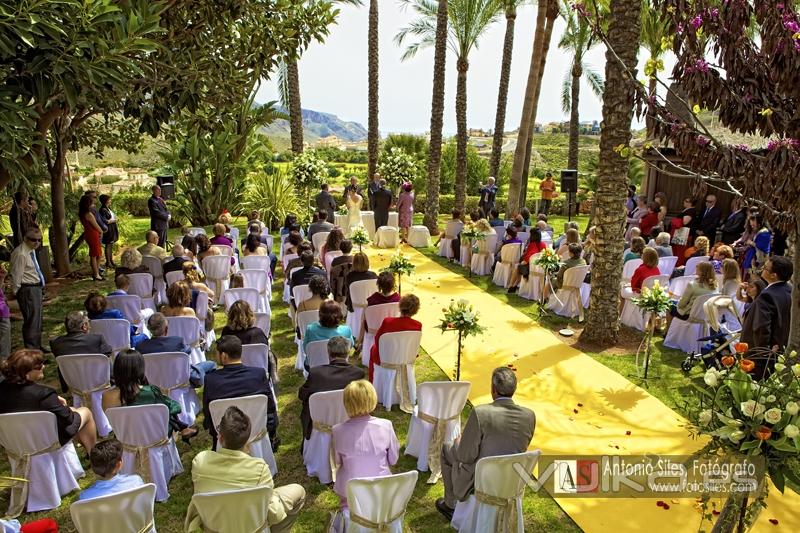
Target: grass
541 511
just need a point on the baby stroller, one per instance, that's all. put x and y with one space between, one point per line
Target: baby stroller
724 323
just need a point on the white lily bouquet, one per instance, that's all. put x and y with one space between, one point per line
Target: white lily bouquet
359 236
653 300
548 261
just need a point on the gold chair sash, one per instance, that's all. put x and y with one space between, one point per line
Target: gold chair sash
147 527
435 443
380 527
507 519
141 457
20 485
86 395
325 428
401 385
183 385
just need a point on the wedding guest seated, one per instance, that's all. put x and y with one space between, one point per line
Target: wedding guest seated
720 253
572 236
450 228
329 325
346 248
77 340
333 376
632 234
509 238
190 249
321 225
235 380
498 428
320 290
363 445
360 272
662 247
590 244
204 248
495 221
96 306
535 246
386 292
574 259
219 238
308 271
193 278
232 468
179 299
700 249
409 306
731 277
255 218
334 241
649 267
175 264
297 262
650 220
131 388
541 217
563 237
290 224
294 240
525 213
257 230
635 252
705 283
130 262
253 246
241 324
151 247
106 462
20 392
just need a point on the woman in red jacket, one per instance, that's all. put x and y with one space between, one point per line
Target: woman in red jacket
409 306
650 220
649 267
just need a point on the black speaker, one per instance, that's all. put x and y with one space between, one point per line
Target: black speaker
167 184
569 181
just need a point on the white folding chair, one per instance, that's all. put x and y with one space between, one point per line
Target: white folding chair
258 355
155 266
217 269
256 262
678 285
509 259
532 288
255 407
327 410
483 260
282 248
141 284
567 300
394 378
195 231
317 353
394 219
498 478
329 257
190 329
174 277
263 322
387 237
31 441
287 291
287 258
451 231
213 510
465 253
201 311
132 510
318 241
259 280
367 499
439 406
373 316
303 319
88 376
628 269
632 316
131 307
359 292
223 250
169 371
683 334
248 295
144 429
691 264
115 331
666 264
235 237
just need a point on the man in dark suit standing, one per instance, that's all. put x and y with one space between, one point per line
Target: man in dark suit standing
709 219
382 200
325 202
373 187
333 376
159 215
352 186
78 340
766 324
488 193
235 380
499 428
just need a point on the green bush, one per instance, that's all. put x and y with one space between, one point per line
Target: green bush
109 179
132 202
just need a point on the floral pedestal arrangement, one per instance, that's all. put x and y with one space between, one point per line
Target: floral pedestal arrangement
400 266
463 319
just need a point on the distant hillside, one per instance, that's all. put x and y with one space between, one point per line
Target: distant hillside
317 125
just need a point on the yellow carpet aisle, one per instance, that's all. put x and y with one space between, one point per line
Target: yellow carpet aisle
553 379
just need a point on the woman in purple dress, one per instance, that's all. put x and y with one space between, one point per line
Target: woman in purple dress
405 209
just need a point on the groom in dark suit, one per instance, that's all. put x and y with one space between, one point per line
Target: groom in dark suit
382 201
325 202
159 215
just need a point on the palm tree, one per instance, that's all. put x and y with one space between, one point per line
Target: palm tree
469 20
655 28
373 135
602 325
577 39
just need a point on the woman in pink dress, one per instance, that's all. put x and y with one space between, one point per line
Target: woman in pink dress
363 446
405 209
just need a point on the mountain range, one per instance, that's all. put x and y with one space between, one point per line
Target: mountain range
317 125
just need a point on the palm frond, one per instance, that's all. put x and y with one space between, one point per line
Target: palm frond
283 83
566 91
595 79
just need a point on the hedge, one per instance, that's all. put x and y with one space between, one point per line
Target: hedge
133 203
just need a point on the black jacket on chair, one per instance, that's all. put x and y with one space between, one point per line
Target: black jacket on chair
235 381
78 343
333 376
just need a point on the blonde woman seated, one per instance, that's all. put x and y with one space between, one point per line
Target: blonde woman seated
179 299
320 290
363 446
705 283
731 277
194 280
572 236
130 262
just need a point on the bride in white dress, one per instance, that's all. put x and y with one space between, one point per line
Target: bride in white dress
353 203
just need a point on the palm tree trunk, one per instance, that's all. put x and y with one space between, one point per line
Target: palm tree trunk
295 110
437 114
602 326
574 117
461 134
373 136
502 96
527 119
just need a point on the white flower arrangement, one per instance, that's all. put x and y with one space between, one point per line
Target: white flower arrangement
397 167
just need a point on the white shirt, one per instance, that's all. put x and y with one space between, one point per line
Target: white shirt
24 269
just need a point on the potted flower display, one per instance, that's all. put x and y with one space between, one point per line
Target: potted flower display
548 261
400 266
359 236
656 302
471 235
462 318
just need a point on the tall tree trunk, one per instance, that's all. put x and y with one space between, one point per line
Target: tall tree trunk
295 110
373 136
526 121
502 95
574 116
462 64
59 242
437 114
602 326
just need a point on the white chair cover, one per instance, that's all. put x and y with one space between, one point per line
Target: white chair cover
155 266
465 253
115 331
257 355
195 231
419 237
190 329
373 316
379 503
132 510
329 257
131 307
451 231
368 221
567 300
629 268
394 378
632 316
169 371
327 410
683 334
666 264
51 471
394 219
678 285
691 264
282 250
359 292
318 241
387 237
141 284
235 237
201 311
436 421
249 295
501 232
287 258
264 322
303 319
149 450
533 287
174 277
270 240
317 353
259 280
234 511
722 313
509 259
256 262
300 293
287 294
223 250
497 502
483 260
217 269
255 407
88 376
